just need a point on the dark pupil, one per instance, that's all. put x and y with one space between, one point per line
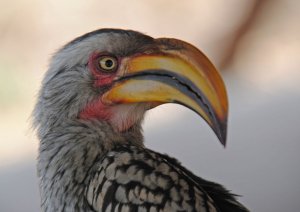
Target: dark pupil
109 63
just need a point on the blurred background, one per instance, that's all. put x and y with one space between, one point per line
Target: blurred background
254 43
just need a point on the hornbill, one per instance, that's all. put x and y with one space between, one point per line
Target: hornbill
88 118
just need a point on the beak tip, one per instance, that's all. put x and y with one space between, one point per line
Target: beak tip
222 134
223 142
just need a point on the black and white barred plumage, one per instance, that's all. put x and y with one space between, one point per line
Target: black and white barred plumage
88 165
129 178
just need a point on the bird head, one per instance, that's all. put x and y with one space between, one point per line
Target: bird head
115 76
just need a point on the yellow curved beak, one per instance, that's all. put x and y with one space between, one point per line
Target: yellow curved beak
177 73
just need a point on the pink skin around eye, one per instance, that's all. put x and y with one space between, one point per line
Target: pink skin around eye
101 78
97 109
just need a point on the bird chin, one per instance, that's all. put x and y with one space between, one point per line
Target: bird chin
124 116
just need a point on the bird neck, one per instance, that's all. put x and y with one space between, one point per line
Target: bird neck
68 151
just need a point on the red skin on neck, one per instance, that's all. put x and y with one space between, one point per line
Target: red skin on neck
118 116
96 110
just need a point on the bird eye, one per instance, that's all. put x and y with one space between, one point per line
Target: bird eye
107 63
